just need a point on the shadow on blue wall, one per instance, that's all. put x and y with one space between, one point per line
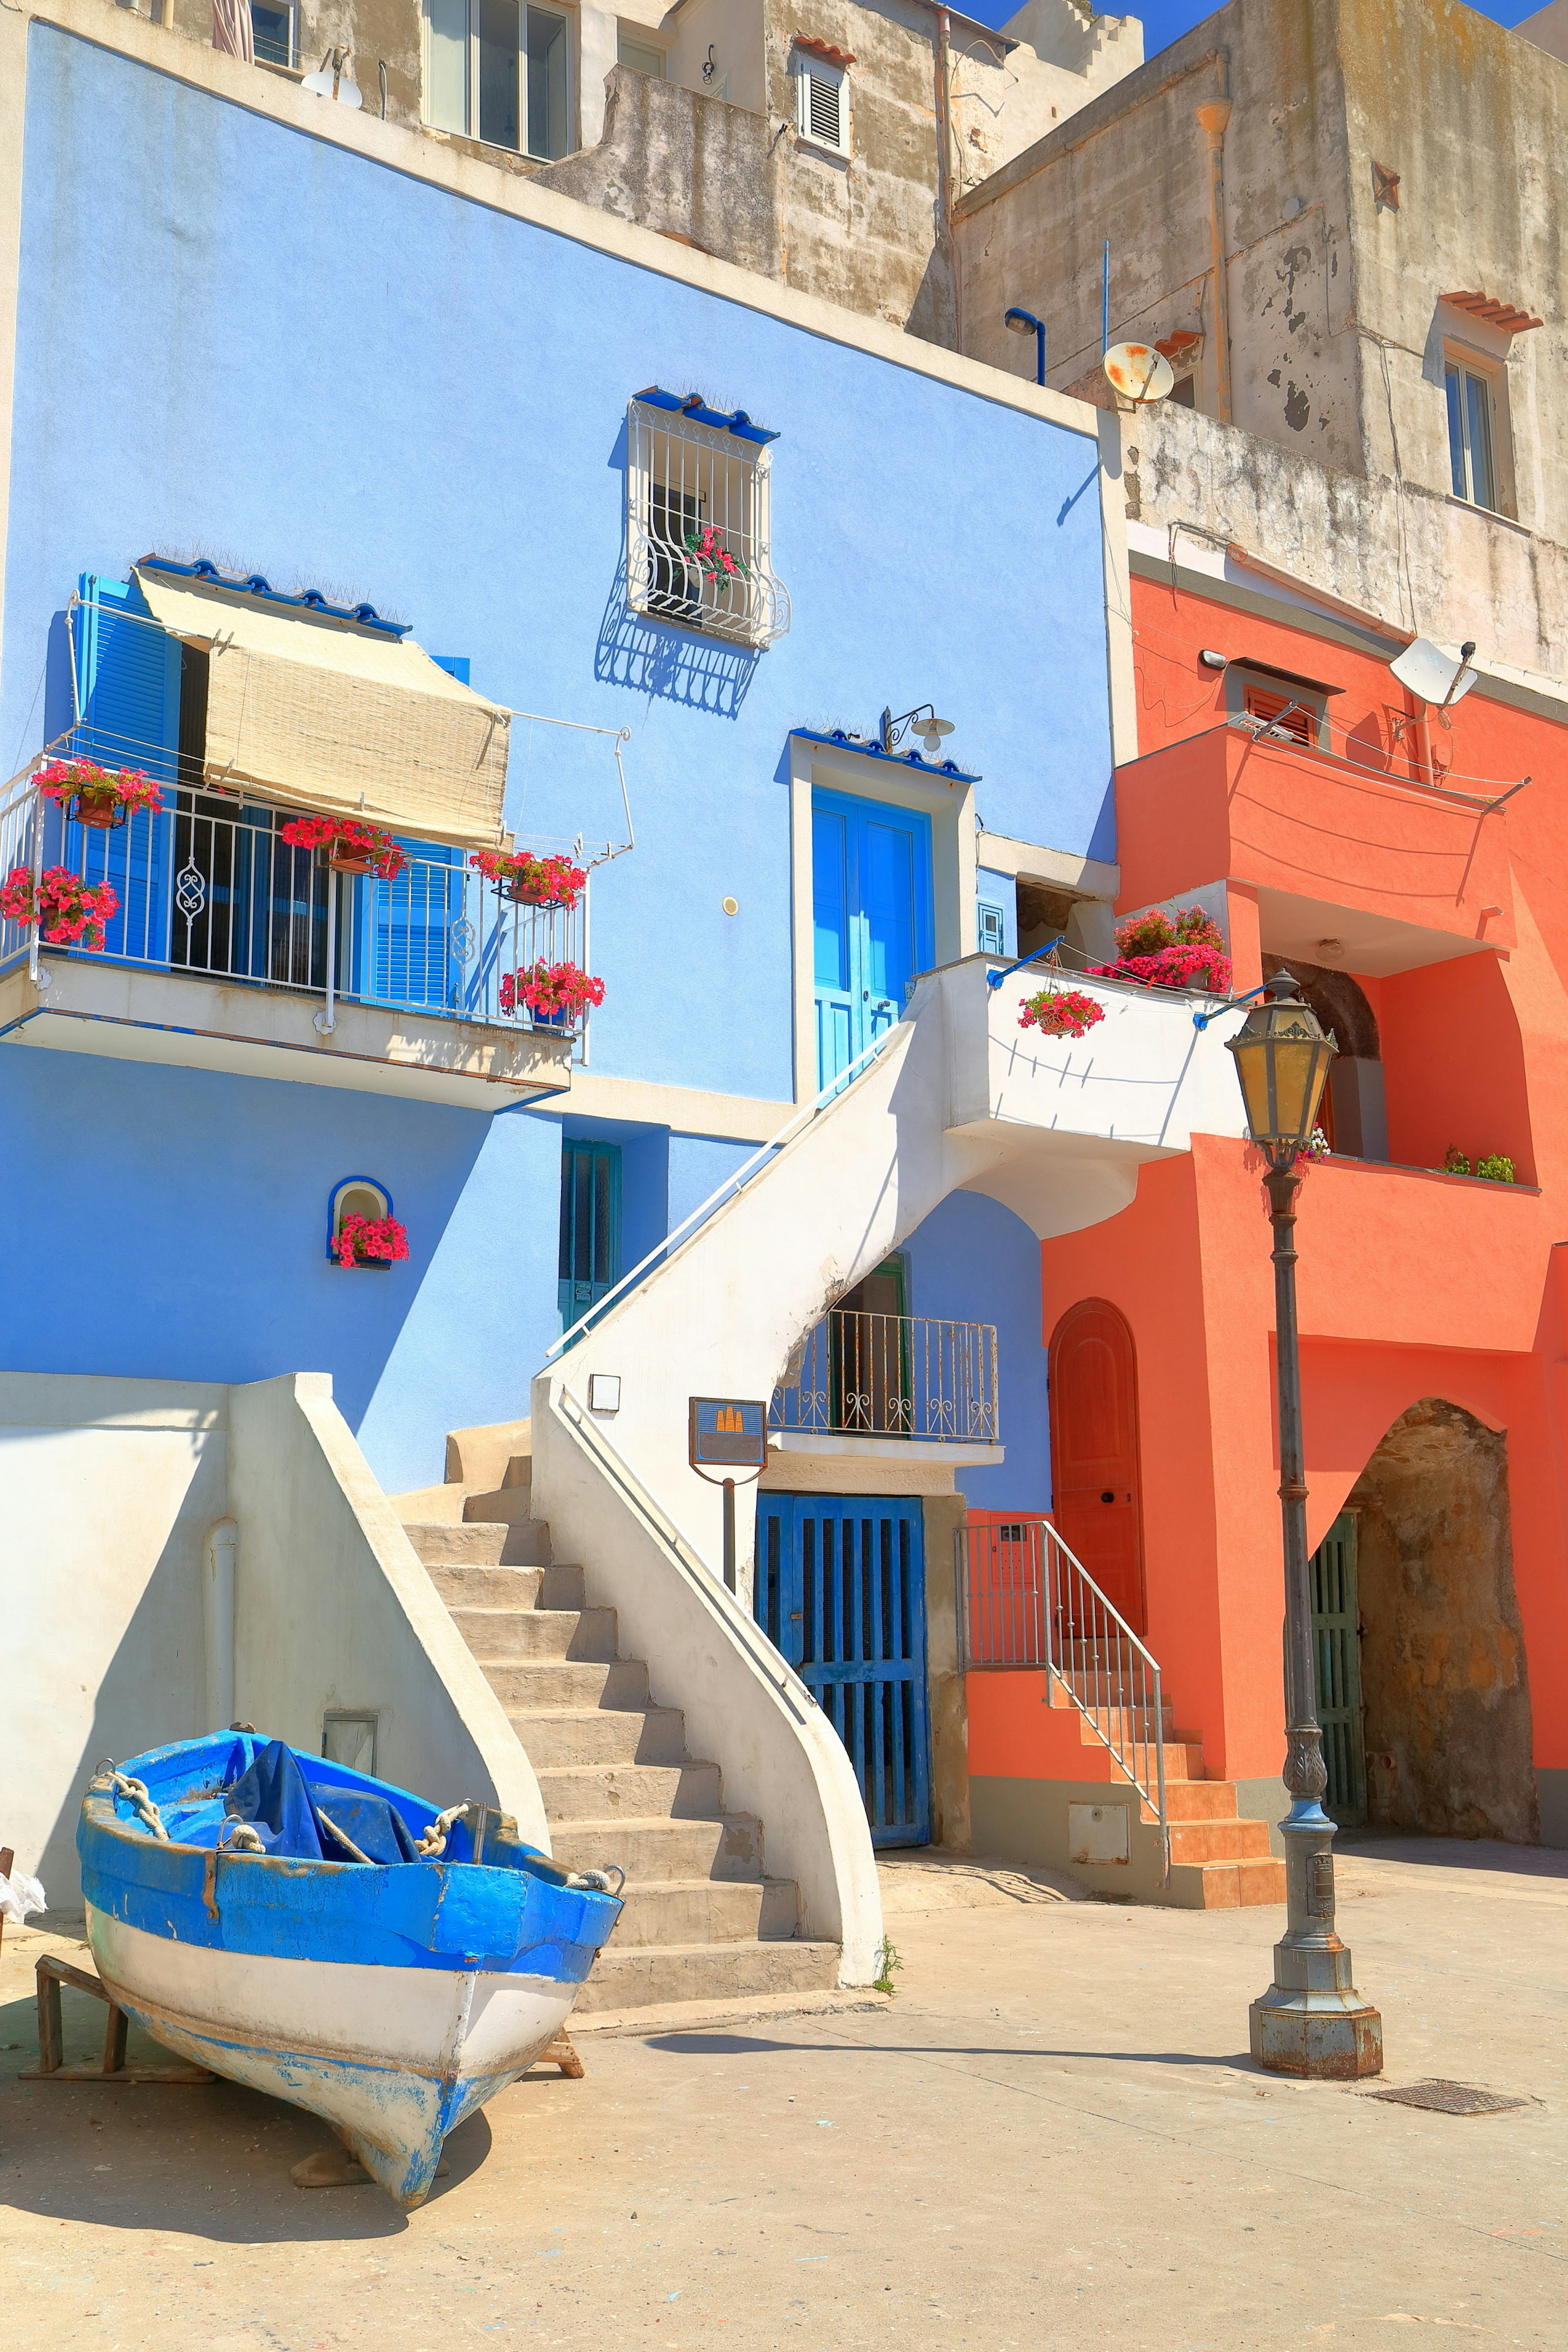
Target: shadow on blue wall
650 658
973 1260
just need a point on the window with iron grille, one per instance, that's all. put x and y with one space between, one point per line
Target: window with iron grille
698 521
589 1226
821 101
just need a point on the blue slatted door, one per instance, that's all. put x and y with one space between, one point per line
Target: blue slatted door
406 929
840 1590
871 890
128 691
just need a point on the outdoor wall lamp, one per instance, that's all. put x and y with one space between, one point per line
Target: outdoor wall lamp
923 719
1312 2020
1024 323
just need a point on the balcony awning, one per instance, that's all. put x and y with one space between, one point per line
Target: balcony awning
319 712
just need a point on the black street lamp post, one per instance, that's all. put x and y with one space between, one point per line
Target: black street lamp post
1312 2020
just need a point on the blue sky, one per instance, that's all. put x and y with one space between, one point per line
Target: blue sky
1165 20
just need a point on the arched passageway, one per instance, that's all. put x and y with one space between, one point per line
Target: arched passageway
1443 1688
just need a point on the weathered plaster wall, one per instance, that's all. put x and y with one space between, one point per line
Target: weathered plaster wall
1416 557
1443 1667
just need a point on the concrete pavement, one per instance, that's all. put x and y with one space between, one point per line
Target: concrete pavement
1052 2137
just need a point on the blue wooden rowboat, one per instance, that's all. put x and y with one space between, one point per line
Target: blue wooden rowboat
331 1940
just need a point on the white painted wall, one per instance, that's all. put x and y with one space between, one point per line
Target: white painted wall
959 1098
110 1492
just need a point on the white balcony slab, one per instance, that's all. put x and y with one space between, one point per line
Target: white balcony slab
950 1453
250 1030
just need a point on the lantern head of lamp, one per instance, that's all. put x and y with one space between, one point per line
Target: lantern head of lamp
1283 1057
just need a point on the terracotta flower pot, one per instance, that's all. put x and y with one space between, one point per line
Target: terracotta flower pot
101 810
347 857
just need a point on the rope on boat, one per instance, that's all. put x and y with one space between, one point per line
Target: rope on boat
126 1785
239 1837
433 1842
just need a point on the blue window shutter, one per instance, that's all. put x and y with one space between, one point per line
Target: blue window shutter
454 664
128 692
128 681
403 929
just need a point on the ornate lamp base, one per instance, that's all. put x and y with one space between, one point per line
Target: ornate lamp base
1312 2020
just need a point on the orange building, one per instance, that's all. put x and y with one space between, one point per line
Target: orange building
1395 859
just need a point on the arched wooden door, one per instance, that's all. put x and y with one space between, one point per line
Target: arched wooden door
1097 1503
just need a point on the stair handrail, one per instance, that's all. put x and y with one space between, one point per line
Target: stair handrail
766 1152
1062 1612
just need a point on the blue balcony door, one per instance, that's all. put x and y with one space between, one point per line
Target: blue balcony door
871 896
128 697
840 1590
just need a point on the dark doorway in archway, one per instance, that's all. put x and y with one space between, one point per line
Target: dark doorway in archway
1443 1678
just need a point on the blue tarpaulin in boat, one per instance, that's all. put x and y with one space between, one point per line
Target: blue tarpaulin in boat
287 1812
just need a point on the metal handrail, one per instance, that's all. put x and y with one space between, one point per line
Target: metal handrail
910 1376
1026 1600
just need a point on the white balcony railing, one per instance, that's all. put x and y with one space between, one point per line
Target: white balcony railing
210 888
892 1376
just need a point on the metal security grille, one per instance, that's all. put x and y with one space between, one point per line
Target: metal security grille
892 1376
697 528
589 1226
1336 1635
840 1590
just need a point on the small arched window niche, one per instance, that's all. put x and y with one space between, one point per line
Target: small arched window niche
357 1196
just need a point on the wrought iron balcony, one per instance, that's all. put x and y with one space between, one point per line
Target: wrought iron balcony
208 888
892 1376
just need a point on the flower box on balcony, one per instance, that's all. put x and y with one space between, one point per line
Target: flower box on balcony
70 912
528 881
97 797
351 847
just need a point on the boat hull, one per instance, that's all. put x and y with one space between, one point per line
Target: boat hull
391 2058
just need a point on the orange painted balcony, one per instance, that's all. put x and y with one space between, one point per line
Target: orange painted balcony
1308 827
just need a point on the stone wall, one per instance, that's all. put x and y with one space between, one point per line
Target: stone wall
1444 1679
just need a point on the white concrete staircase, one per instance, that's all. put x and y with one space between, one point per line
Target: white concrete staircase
702 1920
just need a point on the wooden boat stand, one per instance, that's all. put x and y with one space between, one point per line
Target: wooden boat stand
50 2068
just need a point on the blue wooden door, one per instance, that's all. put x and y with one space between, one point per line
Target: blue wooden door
840 1590
871 907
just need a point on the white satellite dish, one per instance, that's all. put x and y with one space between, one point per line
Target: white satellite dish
1433 676
336 84
1138 371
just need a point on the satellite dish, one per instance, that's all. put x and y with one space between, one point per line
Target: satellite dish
333 81
1138 371
1433 676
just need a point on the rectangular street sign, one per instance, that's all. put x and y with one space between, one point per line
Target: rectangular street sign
728 1433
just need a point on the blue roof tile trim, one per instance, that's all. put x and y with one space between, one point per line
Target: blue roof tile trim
945 772
310 600
698 409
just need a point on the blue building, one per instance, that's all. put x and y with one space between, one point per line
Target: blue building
353 479
338 377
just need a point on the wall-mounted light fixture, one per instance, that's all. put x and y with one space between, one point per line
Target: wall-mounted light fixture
1024 323
922 720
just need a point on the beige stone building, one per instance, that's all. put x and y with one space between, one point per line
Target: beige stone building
822 145
1343 222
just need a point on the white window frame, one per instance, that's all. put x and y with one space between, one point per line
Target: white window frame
810 71
285 8
469 128
684 481
1468 365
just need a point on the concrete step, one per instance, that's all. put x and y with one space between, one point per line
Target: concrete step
1182 1760
482 1457
1199 1801
507 1588
602 1793
525 1544
500 1502
592 1736
660 1849
549 1684
638 1977
1218 1840
502 1636
430 1505
1228 1885
707 1911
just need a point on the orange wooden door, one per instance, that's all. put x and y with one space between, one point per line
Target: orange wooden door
1096 1502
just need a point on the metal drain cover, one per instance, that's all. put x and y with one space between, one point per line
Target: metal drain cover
1449 2099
